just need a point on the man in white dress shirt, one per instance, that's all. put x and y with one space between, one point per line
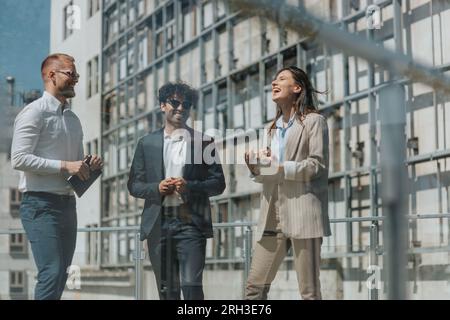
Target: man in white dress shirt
47 148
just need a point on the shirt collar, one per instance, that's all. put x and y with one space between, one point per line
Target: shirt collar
279 123
55 104
174 138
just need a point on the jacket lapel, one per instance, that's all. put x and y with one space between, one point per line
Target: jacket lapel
293 140
157 156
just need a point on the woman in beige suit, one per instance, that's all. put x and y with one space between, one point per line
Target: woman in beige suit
294 176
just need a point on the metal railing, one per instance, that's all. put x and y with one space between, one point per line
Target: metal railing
373 250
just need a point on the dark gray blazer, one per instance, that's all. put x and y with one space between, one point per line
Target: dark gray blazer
203 180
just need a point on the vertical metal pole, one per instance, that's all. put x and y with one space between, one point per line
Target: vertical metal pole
373 258
99 248
394 187
247 256
398 38
138 257
347 124
373 245
440 202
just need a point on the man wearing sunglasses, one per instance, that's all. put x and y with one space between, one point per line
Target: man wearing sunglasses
172 170
47 148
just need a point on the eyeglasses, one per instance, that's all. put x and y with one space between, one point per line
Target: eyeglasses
70 74
175 103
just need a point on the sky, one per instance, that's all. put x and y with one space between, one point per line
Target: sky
24 41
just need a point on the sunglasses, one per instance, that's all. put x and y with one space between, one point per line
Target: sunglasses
70 74
175 103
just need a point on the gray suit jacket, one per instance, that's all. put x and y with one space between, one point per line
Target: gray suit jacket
302 190
203 179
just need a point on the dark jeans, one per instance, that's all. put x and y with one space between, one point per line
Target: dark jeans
177 255
50 222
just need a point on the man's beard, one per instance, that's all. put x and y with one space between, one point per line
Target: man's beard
68 93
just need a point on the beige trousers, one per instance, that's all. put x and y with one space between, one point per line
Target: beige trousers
268 255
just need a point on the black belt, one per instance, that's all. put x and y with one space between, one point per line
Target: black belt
63 197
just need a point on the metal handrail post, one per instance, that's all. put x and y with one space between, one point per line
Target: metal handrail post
138 257
373 262
247 255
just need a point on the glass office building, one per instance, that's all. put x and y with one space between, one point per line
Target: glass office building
231 57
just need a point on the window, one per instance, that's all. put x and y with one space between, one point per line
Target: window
110 75
142 50
189 22
130 56
92 147
222 116
208 108
17 244
112 25
240 96
222 59
208 67
290 57
170 37
253 111
68 15
159 33
159 44
141 8
95 147
131 100
220 9
93 7
270 71
122 59
88 149
14 202
150 91
17 283
123 15
92 77
131 12
110 111
207 14
96 75
89 75
122 104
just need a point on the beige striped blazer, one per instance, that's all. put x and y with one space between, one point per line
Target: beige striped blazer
302 189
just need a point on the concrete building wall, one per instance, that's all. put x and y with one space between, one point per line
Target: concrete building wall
15 258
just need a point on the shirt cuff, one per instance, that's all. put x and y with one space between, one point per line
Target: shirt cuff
289 170
54 165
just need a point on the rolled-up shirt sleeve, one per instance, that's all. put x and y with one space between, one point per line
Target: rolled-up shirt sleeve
27 128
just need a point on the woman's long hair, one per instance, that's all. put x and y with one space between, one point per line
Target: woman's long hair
306 101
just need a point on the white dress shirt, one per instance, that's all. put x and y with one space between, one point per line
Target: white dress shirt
44 135
277 147
174 162
278 143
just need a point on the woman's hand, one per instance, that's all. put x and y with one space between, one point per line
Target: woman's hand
252 162
264 157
